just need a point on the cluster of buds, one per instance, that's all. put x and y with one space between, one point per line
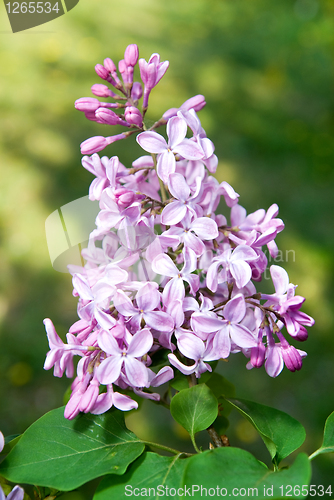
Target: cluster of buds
165 274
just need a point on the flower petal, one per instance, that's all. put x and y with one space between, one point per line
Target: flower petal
152 142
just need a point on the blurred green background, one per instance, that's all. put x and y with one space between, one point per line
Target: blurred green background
266 69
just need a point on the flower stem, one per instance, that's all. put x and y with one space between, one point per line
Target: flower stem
166 448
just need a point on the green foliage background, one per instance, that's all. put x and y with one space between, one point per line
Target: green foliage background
266 69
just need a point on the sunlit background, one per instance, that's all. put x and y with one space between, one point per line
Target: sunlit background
266 69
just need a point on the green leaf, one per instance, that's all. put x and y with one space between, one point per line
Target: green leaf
10 442
281 433
65 454
195 409
148 471
328 441
220 386
237 473
222 389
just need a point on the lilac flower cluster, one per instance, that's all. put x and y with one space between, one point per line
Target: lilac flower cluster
163 271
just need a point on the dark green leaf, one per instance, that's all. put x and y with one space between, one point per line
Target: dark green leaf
195 408
220 386
281 433
237 473
328 441
148 471
65 454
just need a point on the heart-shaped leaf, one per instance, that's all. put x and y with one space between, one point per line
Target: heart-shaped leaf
281 433
150 475
195 409
234 472
65 454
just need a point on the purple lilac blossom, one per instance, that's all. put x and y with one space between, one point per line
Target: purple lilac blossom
163 271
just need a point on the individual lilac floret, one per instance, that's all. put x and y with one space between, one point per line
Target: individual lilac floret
194 348
148 299
151 73
177 144
135 371
287 304
61 355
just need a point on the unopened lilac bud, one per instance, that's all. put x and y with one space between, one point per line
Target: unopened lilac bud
93 145
97 143
302 334
110 65
102 72
258 355
90 115
123 70
196 103
292 359
89 104
133 116
124 197
109 117
137 91
89 398
102 91
131 55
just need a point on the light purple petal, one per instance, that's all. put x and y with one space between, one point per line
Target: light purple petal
173 213
104 319
152 142
148 297
140 344
2 441
190 150
178 187
222 342
17 493
201 323
191 346
274 362
243 252
166 165
242 337
212 276
174 290
164 265
109 370
280 279
159 320
205 228
190 261
238 215
124 403
123 304
82 287
241 272
164 375
176 131
136 372
235 309
108 343
186 370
